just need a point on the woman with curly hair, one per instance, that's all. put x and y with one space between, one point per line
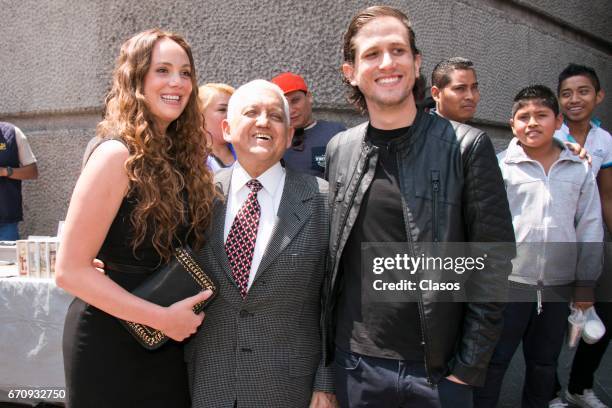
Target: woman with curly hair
144 190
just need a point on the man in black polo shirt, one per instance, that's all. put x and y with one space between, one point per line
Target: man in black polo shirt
410 177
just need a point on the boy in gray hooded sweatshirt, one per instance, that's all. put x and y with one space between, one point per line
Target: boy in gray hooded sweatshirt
555 212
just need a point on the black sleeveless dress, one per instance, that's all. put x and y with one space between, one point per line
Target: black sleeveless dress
104 365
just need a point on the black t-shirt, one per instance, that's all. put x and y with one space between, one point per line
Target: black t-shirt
385 330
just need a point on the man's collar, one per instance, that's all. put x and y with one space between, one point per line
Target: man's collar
269 179
313 124
516 154
595 122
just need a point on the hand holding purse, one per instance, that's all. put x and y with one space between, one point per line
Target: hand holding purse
180 278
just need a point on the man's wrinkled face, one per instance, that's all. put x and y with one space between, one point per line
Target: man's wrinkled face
459 99
258 130
385 68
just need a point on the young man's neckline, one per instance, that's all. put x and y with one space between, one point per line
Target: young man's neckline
394 130
592 125
390 118
385 136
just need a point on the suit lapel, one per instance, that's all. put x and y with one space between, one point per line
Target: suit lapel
294 210
217 243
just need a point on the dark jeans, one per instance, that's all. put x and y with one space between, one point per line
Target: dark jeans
9 232
542 337
363 381
588 356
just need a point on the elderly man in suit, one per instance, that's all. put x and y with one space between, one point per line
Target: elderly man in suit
261 343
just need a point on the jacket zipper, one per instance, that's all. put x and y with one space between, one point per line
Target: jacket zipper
420 302
422 327
362 173
435 185
540 281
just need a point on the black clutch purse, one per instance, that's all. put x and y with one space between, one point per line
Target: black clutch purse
180 278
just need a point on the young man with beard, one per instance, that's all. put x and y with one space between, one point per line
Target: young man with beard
407 176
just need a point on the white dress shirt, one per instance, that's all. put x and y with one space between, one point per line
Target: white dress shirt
269 197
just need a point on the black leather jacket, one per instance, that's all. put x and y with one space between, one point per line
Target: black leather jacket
452 191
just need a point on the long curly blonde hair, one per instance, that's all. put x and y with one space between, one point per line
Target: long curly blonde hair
168 176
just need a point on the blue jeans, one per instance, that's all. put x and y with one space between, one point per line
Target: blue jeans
363 381
9 232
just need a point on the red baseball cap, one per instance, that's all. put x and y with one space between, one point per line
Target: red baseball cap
289 82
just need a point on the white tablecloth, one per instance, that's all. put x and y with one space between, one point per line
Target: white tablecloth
32 313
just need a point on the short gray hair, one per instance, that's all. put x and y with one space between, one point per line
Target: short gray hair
253 86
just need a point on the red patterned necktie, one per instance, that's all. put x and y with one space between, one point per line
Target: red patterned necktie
240 243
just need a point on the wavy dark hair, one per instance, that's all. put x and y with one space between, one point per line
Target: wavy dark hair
355 96
168 177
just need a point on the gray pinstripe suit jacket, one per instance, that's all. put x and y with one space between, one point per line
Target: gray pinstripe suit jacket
266 350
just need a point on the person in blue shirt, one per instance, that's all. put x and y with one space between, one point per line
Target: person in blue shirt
17 162
307 151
